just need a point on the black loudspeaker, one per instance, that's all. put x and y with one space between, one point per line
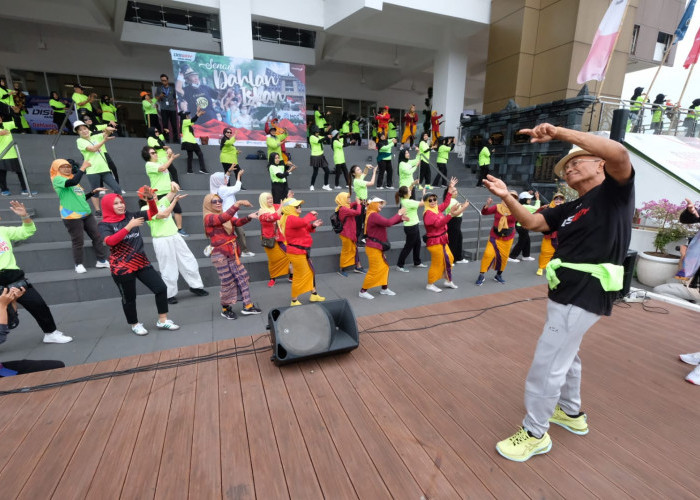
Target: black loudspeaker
628 264
619 124
309 331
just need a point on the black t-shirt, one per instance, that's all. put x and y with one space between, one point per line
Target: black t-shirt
202 97
128 255
594 229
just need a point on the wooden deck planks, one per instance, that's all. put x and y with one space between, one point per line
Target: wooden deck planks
411 412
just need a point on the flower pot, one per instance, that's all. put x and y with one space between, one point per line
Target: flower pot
653 271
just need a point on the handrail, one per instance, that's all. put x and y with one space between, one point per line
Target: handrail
60 130
13 144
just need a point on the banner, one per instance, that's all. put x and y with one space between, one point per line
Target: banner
242 94
694 52
603 43
39 114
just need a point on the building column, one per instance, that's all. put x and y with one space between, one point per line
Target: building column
235 20
449 77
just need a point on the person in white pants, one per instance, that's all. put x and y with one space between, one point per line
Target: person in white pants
172 253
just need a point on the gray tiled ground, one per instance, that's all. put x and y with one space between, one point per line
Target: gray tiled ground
100 331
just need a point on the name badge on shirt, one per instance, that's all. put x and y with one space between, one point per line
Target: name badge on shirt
167 102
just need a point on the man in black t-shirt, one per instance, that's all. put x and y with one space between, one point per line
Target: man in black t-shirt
198 96
584 275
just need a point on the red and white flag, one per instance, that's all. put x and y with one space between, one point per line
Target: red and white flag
603 43
694 52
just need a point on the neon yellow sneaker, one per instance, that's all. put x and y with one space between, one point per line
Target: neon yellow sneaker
521 446
539 272
295 303
316 298
578 425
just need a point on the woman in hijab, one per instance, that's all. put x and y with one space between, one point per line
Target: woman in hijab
436 237
500 240
657 114
376 242
128 260
75 211
278 177
347 212
156 140
219 185
296 231
225 255
271 239
59 110
549 240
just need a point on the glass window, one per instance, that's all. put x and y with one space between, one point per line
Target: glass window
63 84
635 37
30 82
663 41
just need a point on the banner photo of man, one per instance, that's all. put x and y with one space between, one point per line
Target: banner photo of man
243 94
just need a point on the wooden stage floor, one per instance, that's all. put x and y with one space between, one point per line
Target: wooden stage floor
413 413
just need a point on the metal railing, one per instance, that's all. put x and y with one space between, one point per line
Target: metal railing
11 145
69 111
675 121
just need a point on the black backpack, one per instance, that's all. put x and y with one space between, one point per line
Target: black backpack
336 223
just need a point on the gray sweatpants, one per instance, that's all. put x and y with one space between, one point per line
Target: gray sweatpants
555 374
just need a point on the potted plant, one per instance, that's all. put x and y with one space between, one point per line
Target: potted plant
661 218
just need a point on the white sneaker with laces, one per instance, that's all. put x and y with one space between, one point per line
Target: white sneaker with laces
102 263
449 284
327 188
528 258
167 325
139 329
692 359
513 260
338 187
402 269
463 261
694 376
80 269
433 288
366 295
311 188
247 254
56 337
387 291
421 265
380 187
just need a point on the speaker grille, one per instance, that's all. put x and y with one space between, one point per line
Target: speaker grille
305 330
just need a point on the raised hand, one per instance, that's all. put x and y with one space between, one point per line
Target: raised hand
18 208
496 186
254 215
544 132
453 182
134 222
243 203
317 223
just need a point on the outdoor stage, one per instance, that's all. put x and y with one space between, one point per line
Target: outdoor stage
412 413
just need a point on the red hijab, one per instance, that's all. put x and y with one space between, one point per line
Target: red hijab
108 214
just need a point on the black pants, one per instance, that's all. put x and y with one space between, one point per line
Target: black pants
412 245
523 244
234 175
441 180
127 288
169 119
360 223
200 156
382 167
326 175
33 365
112 167
341 168
31 300
424 173
58 121
279 191
3 180
75 230
454 237
483 172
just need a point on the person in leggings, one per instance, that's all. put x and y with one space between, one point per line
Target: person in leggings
128 261
91 148
410 227
189 143
11 276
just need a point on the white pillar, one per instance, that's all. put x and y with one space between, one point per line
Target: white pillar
449 77
236 28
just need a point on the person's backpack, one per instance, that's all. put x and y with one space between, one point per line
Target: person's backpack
336 223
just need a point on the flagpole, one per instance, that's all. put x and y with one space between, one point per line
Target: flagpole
663 61
687 80
612 52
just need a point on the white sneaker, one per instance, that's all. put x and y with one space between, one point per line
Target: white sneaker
139 329
338 187
402 269
366 295
327 188
433 288
694 376
692 359
513 260
102 263
167 325
247 254
463 261
56 337
387 291
528 258
380 187
421 265
311 188
449 284
80 269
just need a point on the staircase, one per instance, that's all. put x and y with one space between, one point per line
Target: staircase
46 257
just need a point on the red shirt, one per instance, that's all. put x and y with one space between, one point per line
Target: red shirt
434 122
383 119
496 219
347 216
223 242
436 223
376 228
268 225
297 231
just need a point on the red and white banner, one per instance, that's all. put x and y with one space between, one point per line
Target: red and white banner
603 43
694 52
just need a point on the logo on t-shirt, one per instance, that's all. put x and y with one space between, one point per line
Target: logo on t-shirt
575 217
4 247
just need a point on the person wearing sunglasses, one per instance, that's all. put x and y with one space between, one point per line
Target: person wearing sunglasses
584 276
500 241
436 238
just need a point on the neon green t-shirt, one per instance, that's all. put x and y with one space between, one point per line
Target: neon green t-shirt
274 144
7 139
160 181
277 169
484 156
406 169
338 153
411 207
453 202
8 234
424 151
360 188
161 228
98 163
78 98
316 146
161 152
229 153
187 135
109 112
71 199
443 154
